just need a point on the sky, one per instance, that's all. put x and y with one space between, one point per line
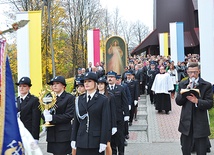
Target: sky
129 10
3 19
132 10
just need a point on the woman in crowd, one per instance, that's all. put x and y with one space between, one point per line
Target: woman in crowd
174 76
102 88
59 135
90 127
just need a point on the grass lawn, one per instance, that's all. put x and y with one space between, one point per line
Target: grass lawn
211 112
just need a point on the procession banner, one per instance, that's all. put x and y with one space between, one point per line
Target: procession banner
163 42
177 41
93 46
116 54
10 139
29 62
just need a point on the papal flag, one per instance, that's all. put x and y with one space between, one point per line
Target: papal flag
10 139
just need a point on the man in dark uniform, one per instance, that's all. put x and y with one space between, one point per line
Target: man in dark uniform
151 73
122 111
133 88
139 78
78 76
27 105
128 95
89 69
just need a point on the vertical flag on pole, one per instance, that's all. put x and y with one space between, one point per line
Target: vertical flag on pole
29 59
206 33
177 41
10 139
93 46
163 42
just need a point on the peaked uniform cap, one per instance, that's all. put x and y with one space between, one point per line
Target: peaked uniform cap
50 82
24 80
90 75
102 80
60 79
112 73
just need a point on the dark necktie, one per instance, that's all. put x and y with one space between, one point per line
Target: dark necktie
112 87
89 98
20 107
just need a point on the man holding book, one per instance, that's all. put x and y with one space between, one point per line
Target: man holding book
194 119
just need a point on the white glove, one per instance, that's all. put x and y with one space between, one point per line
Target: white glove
135 102
73 145
113 130
129 107
48 118
43 131
47 115
146 87
102 147
36 141
44 128
126 118
46 112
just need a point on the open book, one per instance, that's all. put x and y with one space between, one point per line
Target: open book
188 92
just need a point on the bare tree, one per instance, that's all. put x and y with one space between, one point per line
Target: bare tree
116 22
141 31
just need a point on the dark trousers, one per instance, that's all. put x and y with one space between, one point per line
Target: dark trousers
117 140
151 97
131 112
143 86
200 144
126 128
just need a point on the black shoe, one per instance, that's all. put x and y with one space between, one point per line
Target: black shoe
130 123
167 112
159 111
127 136
125 143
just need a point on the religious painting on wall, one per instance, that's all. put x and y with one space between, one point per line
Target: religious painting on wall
116 54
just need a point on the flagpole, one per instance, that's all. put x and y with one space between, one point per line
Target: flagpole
51 39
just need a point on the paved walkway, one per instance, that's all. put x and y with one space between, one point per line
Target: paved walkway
162 138
163 135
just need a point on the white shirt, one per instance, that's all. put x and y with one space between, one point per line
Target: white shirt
23 97
110 86
92 94
174 78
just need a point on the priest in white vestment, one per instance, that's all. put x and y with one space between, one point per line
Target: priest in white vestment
162 86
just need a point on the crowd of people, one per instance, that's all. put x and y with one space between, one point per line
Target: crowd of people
96 116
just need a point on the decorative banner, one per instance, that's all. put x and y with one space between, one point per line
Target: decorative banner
206 33
177 41
10 139
93 46
116 54
29 49
163 43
